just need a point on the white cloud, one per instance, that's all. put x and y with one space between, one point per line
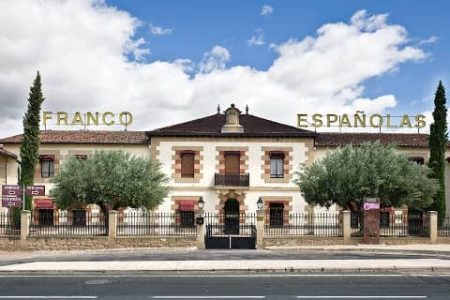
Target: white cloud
266 10
159 30
257 39
431 40
82 50
215 59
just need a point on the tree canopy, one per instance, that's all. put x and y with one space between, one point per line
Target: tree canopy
29 149
350 174
110 179
438 146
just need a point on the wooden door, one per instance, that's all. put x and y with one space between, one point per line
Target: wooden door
232 163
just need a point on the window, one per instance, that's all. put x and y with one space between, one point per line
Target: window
187 218
276 214
276 165
417 159
187 164
47 166
384 219
81 156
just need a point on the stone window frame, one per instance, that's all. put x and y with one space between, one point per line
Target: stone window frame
285 200
176 166
288 161
220 159
224 196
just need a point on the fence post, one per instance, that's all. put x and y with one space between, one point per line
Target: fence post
112 225
260 229
433 226
25 219
200 220
346 226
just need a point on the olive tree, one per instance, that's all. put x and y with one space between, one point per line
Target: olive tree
110 179
350 174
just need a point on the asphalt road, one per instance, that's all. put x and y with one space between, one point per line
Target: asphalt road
226 286
188 255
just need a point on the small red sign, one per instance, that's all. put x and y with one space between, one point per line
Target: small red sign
43 203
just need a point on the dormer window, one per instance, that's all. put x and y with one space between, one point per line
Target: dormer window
232 120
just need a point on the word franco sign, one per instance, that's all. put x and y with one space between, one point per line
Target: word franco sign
108 118
12 194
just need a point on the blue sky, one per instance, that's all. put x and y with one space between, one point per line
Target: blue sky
171 61
198 25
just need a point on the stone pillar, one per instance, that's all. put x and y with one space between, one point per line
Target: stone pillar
433 226
201 230
25 218
112 224
346 226
260 229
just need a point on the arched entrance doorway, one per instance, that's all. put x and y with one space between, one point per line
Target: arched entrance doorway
231 216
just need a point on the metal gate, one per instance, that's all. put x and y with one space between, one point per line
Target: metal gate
230 231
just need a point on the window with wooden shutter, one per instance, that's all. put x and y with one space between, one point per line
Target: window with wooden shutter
276 165
187 164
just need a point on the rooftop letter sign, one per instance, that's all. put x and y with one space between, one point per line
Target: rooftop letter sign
360 120
108 118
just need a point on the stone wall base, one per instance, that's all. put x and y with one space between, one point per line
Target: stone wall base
87 243
305 241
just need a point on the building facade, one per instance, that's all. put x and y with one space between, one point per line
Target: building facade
229 159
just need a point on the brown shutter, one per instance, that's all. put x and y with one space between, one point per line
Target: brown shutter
232 163
187 164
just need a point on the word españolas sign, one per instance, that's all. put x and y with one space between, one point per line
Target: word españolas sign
360 120
87 119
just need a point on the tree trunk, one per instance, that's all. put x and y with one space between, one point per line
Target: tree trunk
105 211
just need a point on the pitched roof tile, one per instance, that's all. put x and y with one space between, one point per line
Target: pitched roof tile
85 137
211 126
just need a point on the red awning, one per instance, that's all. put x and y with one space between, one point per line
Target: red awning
187 205
43 203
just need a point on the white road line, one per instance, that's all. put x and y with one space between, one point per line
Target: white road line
208 297
362 297
48 297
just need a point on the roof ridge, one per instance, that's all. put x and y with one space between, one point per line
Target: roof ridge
186 122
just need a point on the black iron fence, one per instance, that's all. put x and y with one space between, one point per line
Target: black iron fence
304 224
53 223
444 228
393 224
223 224
154 224
10 224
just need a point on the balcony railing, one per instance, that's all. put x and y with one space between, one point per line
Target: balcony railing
232 180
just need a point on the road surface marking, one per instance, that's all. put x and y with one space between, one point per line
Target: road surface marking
362 297
208 297
48 297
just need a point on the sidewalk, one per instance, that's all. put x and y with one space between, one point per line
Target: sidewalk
413 248
374 265
377 258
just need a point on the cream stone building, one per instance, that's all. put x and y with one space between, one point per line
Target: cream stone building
229 159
